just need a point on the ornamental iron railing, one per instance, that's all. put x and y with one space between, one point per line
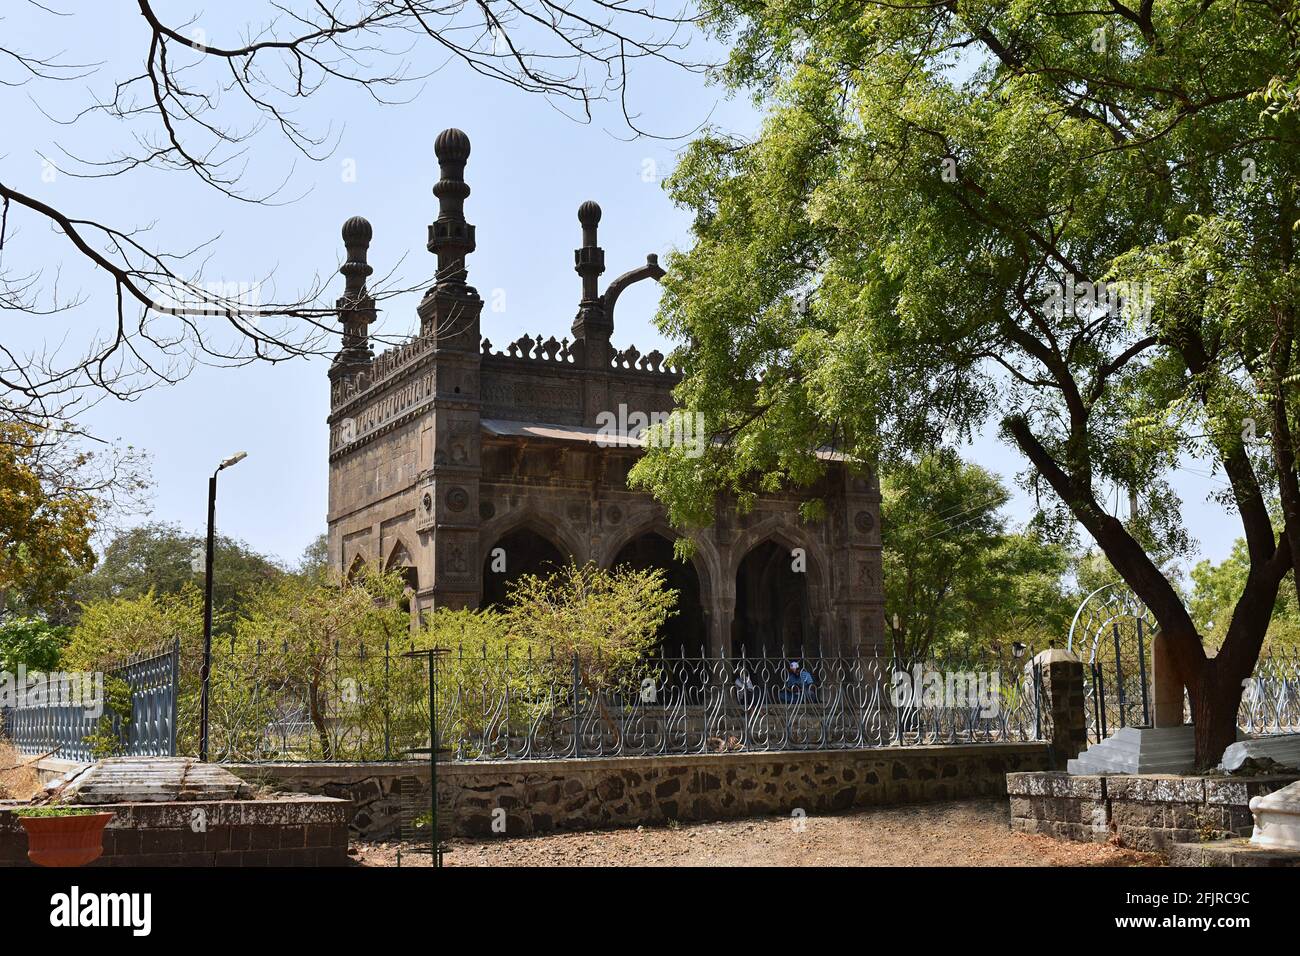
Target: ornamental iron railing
269 705
58 713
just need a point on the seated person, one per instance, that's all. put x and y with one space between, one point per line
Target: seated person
798 685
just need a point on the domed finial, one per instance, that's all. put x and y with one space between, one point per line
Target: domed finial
451 238
451 146
356 307
589 214
357 230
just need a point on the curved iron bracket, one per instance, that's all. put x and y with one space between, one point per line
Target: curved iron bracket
651 270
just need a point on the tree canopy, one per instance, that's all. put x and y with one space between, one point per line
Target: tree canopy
958 579
46 524
1076 221
164 559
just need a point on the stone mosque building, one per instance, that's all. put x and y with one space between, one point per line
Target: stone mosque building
448 450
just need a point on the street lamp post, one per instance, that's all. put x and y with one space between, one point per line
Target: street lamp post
206 669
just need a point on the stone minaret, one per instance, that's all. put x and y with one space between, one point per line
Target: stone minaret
356 308
592 328
447 499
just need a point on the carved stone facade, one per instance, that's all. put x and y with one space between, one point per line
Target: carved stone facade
466 465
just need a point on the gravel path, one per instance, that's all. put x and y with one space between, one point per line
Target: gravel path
965 833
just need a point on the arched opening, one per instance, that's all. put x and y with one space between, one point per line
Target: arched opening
684 634
522 551
773 613
401 562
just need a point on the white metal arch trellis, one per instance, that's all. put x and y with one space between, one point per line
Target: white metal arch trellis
1111 633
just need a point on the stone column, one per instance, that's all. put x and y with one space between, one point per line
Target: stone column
448 491
1063 704
1166 688
858 602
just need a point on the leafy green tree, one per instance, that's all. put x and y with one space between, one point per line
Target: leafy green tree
301 640
610 619
31 643
47 517
163 559
1079 220
513 667
109 630
314 562
1215 590
957 579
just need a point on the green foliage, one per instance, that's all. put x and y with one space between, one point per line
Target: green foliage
55 811
1215 590
874 270
611 619
513 667
957 580
302 639
46 518
31 643
162 559
114 726
109 630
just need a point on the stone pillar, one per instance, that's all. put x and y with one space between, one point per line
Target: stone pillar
1063 704
1166 688
721 612
858 605
592 328
447 505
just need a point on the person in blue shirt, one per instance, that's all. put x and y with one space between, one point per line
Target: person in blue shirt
798 684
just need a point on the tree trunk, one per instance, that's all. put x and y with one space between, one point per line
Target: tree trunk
318 719
1215 701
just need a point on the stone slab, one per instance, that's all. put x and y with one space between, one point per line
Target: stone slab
1140 750
148 780
1277 818
1238 852
1056 784
1280 751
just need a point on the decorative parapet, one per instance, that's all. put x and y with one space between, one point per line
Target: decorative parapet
388 410
530 348
652 361
383 367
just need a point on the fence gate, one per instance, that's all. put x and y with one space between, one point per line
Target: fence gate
62 721
1112 633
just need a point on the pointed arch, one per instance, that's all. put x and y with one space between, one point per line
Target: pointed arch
526 545
781 601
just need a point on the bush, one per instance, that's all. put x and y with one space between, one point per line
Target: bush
31 643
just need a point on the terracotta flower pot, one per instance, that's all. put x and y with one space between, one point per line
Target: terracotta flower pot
65 841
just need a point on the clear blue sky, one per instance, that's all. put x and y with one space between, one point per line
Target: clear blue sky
531 167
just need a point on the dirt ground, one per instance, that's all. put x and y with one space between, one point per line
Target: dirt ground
18 780
965 833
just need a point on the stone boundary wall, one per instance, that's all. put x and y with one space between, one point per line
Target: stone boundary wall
1149 812
308 831
579 794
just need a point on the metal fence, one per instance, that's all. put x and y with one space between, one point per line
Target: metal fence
271 703
1270 700
373 705
60 714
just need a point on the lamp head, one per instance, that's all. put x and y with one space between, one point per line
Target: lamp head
234 459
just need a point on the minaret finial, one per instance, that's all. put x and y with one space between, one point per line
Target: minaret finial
451 238
591 327
356 307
